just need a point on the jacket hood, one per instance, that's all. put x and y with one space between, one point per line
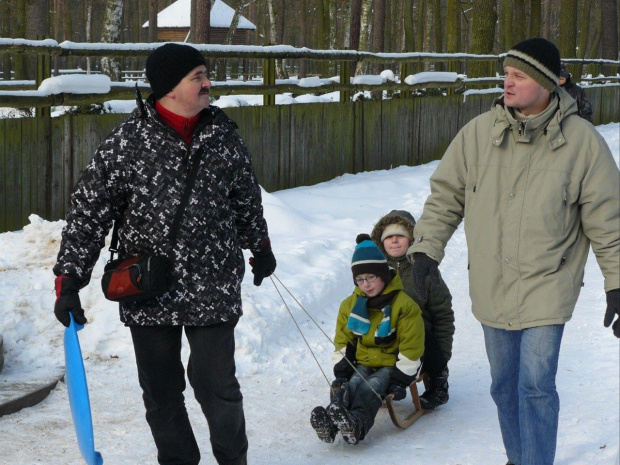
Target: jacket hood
549 121
401 217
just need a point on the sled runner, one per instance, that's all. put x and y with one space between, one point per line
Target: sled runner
415 398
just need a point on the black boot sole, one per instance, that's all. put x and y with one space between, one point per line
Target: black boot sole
322 424
345 423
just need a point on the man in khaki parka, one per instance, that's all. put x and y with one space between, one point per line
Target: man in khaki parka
537 185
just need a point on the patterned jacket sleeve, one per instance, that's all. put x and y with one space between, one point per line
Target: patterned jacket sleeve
246 199
94 205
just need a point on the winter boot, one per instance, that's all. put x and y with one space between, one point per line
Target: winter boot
349 425
437 394
322 424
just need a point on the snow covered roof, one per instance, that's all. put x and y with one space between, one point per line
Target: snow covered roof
178 15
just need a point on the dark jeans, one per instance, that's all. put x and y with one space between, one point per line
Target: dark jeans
362 400
211 373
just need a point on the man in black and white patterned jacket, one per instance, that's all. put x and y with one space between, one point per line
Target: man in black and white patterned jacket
137 177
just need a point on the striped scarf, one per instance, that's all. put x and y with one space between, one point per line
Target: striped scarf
359 319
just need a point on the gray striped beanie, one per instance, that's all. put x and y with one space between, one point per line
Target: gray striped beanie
539 59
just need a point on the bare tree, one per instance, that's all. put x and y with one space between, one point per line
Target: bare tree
409 44
568 28
276 31
534 30
203 22
237 5
378 32
364 28
609 32
482 34
153 20
303 36
5 10
111 34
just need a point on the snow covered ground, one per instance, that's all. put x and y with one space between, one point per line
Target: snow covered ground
313 233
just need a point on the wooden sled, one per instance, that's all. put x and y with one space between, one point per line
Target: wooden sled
417 413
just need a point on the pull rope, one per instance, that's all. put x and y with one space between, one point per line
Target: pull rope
273 275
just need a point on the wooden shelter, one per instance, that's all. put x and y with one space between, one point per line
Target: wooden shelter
173 24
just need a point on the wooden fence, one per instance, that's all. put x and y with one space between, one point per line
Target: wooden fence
292 145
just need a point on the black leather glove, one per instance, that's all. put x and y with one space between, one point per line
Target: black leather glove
338 382
613 309
398 377
263 263
422 266
68 300
343 368
398 389
339 392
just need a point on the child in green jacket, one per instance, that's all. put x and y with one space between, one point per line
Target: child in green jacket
379 343
393 233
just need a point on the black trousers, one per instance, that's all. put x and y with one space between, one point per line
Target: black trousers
211 373
434 359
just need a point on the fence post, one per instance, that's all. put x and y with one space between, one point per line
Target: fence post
345 78
269 79
405 70
44 71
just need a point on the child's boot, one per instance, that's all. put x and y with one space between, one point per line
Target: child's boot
437 394
349 425
322 424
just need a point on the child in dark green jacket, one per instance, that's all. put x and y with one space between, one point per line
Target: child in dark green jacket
393 233
379 344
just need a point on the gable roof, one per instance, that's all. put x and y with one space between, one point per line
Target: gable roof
178 15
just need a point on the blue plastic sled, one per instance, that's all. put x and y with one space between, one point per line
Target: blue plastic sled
78 395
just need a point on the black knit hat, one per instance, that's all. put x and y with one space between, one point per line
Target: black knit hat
539 59
168 64
368 258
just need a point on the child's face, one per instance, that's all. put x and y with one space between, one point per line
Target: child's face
396 246
370 284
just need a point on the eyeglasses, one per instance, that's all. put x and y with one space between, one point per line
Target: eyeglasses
369 279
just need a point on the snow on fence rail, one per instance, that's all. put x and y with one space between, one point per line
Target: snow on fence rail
408 82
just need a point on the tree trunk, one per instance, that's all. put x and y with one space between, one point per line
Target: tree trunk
609 34
364 26
437 29
237 5
482 35
89 25
409 45
534 30
519 24
153 20
354 37
21 63
568 28
5 10
111 34
584 34
203 22
276 31
453 33
303 36
507 22
378 33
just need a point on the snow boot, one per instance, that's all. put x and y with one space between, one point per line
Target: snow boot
349 425
322 424
437 394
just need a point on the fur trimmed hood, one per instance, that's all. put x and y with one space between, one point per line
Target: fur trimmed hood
399 217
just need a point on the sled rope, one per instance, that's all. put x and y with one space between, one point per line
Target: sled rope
320 329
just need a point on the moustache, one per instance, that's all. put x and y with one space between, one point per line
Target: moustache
204 91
